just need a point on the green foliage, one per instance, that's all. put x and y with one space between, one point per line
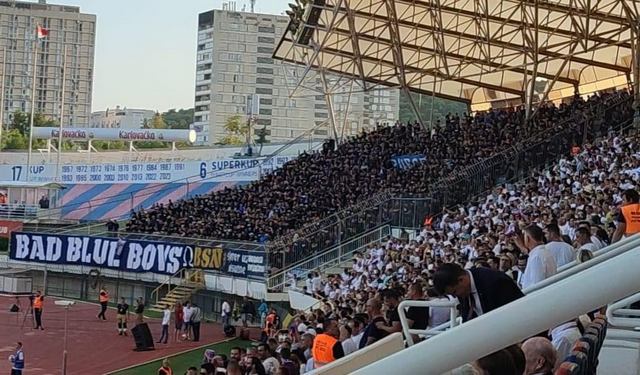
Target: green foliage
441 107
237 130
151 144
157 122
17 137
14 140
109 145
261 138
180 119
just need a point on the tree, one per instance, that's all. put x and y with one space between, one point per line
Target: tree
157 122
261 138
237 130
14 140
180 119
20 122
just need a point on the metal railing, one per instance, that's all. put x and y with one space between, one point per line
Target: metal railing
182 277
409 332
332 257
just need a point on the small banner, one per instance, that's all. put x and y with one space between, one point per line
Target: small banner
407 161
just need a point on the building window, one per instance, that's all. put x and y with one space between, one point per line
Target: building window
265 50
263 121
264 39
264 70
264 91
266 101
320 115
265 60
264 81
263 29
265 111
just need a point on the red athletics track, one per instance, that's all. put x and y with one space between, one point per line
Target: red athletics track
93 345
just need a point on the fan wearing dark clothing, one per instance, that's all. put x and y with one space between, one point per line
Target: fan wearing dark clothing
417 317
479 290
391 300
373 332
123 313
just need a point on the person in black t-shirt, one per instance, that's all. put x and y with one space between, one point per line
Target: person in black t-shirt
139 310
417 317
391 300
374 331
122 315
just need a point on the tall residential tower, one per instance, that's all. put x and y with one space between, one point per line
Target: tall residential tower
67 27
235 74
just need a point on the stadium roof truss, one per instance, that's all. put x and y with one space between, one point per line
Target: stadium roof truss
478 51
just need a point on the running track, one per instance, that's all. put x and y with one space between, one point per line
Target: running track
94 346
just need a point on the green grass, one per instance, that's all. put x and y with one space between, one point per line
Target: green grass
181 362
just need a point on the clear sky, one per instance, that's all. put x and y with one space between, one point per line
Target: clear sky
146 49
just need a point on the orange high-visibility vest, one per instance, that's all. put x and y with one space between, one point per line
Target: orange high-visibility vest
323 350
631 213
104 296
37 303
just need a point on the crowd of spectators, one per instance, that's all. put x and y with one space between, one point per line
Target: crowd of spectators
318 184
525 231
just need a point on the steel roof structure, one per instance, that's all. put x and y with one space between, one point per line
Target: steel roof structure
473 51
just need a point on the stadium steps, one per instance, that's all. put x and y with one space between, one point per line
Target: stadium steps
180 286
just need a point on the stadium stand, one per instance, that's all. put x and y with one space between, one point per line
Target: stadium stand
574 199
317 185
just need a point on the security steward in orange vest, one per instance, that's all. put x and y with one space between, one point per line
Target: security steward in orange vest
104 302
38 302
326 346
628 219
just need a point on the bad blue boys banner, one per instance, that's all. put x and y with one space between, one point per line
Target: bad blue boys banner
407 161
132 255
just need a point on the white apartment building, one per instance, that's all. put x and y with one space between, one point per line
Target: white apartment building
67 28
236 74
121 118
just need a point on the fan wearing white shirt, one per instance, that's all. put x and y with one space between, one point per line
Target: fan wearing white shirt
583 239
562 252
166 318
540 264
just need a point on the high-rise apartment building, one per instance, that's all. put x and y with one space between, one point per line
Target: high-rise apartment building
67 27
236 75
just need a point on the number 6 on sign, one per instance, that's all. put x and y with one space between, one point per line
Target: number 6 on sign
203 170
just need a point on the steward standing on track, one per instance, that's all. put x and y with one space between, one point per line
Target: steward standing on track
38 302
104 302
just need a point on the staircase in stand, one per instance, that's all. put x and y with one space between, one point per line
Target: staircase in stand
179 287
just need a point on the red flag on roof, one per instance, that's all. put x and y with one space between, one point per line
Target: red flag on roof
42 32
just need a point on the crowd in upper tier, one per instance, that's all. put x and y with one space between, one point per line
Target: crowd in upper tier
318 184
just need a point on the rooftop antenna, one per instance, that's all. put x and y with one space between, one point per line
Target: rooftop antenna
253 5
